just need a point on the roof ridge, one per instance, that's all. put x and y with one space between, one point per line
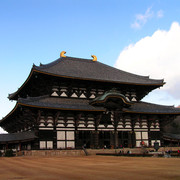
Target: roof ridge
61 58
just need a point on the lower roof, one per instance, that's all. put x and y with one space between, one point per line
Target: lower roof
14 137
150 108
170 136
59 103
74 104
85 105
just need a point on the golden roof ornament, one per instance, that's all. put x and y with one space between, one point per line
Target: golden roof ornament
62 54
94 57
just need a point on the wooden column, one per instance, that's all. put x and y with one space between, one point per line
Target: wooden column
19 146
117 116
76 122
162 122
6 146
55 119
36 130
97 119
132 134
149 122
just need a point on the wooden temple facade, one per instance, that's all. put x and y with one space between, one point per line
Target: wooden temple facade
74 102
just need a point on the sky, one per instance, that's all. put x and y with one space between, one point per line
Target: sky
142 37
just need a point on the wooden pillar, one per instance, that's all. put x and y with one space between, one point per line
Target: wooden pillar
116 143
116 118
149 125
19 146
77 145
91 139
55 119
6 146
129 139
112 143
132 134
36 130
97 119
96 139
162 122
76 122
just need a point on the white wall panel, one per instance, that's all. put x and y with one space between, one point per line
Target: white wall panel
144 135
70 135
70 144
61 135
61 144
42 144
138 143
49 144
138 135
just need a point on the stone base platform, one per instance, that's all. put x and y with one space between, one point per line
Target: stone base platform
81 152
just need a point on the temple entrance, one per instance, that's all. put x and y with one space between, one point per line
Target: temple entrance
84 139
105 139
123 139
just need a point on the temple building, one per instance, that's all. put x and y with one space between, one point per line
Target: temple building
73 102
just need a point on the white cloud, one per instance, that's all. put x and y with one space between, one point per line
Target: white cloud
160 14
141 19
158 56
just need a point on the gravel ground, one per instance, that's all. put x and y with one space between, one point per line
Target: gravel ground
89 167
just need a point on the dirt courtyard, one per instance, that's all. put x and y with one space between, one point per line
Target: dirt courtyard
89 167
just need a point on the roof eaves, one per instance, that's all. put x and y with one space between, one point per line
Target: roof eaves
100 80
56 108
13 110
11 96
141 112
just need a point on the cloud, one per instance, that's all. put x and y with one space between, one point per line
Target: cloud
160 14
158 56
141 19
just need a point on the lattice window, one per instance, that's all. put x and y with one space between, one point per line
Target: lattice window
65 139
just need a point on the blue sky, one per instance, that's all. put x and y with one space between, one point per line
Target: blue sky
38 30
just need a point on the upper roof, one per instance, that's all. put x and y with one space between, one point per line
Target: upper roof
87 69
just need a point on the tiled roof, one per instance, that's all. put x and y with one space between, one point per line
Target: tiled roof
144 107
93 70
21 136
171 136
115 98
59 103
83 104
